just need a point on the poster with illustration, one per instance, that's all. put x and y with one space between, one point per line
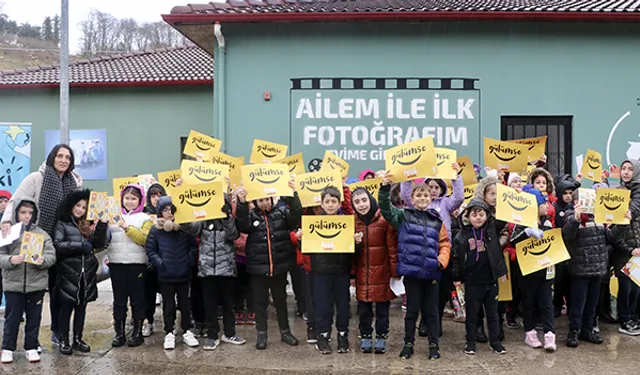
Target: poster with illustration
32 246
15 154
89 149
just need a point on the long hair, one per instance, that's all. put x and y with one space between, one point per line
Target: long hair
52 156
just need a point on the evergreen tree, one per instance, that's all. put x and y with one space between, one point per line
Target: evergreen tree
47 30
56 29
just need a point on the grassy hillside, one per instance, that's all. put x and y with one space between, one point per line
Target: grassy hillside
18 52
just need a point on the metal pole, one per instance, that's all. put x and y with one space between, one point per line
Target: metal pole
64 72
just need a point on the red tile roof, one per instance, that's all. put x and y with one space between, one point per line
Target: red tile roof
171 66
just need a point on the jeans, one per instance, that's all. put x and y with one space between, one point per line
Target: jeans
585 292
310 300
218 291
169 292
150 291
538 299
628 293
127 282
17 304
478 296
331 291
260 287
365 312
421 294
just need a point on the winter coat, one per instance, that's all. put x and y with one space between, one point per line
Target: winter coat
423 242
169 250
588 246
560 206
627 237
129 247
269 249
217 248
377 260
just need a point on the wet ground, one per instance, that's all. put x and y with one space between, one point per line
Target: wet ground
618 355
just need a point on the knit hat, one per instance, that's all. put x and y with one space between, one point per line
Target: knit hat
512 177
540 198
163 202
5 194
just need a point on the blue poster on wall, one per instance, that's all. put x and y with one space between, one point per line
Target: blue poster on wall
15 154
89 149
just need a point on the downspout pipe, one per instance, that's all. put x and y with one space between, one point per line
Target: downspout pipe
219 86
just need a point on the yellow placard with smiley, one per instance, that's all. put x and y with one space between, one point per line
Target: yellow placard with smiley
199 145
445 158
234 164
168 179
310 185
535 255
592 166
411 160
505 156
266 180
469 190
517 208
537 146
371 185
332 161
295 163
466 170
198 202
267 152
328 234
505 290
194 172
612 205
120 183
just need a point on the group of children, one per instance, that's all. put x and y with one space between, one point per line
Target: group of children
236 266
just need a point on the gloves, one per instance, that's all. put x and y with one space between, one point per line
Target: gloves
534 232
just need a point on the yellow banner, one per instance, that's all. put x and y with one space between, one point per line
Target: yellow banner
310 185
612 205
267 152
32 247
466 170
411 160
195 172
592 166
234 164
535 255
96 205
537 146
445 158
266 180
505 156
334 162
613 286
516 208
468 193
328 234
372 186
198 202
505 292
295 163
199 145
168 179
120 183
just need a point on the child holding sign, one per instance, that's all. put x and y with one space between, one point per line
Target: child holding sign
423 252
24 285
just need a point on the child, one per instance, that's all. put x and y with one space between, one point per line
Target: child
541 179
538 285
423 252
5 196
562 283
75 240
587 243
375 264
128 264
477 261
367 174
217 271
514 181
269 255
24 285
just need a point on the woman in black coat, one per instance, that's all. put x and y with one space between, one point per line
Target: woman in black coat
75 239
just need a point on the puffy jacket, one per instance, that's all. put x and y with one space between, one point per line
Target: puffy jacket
423 242
588 246
377 260
169 250
269 249
561 208
627 237
217 247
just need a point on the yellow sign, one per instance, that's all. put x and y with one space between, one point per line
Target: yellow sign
121 182
535 255
194 172
234 164
295 163
372 186
328 234
612 205
168 179
445 158
517 208
537 146
267 152
199 145
614 286
266 180
198 202
592 166
505 292
103 207
411 160
32 246
310 185
466 170
468 193
505 156
334 162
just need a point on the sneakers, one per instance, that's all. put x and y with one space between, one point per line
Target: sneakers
572 339
343 342
498 348
591 337
481 336
629 328
191 340
366 344
470 348
147 330
240 318
158 299
261 341
288 338
407 350
381 345
55 340
323 344
531 339
434 352
448 311
32 355
211 344
7 356
312 337
250 319
512 323
550 342
169 342
233 340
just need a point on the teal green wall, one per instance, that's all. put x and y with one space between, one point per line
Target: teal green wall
144 125
588 71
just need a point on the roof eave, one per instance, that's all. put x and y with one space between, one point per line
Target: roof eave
108 84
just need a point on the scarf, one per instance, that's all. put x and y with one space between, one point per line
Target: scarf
368 217
54 191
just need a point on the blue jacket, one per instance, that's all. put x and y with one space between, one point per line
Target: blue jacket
170 252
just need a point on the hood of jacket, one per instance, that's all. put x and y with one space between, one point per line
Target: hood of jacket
369 216
34 217
563 186
635 179
142 200
151 191
476 203
366 172
163 203
66 209
482 186
542 172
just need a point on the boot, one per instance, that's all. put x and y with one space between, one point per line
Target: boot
288 338
261 342
65 346
80 345
119 338
136 336
572 339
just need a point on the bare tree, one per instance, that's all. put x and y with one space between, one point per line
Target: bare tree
127 29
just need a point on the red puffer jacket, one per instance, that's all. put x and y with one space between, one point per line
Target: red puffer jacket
377 260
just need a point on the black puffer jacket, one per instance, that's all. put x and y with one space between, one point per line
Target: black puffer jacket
560 206
76 261
588 246
269 248
628 236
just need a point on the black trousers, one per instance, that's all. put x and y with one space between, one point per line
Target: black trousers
421 294
169 292
479 296
310 300
538 299
628 294
331 292
562 286
299 289
260 287
365 312
18 304
585 292
54 300
444 291
150 290
127 282
516 290
197 300
79 315
218 291
243 295
604 300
